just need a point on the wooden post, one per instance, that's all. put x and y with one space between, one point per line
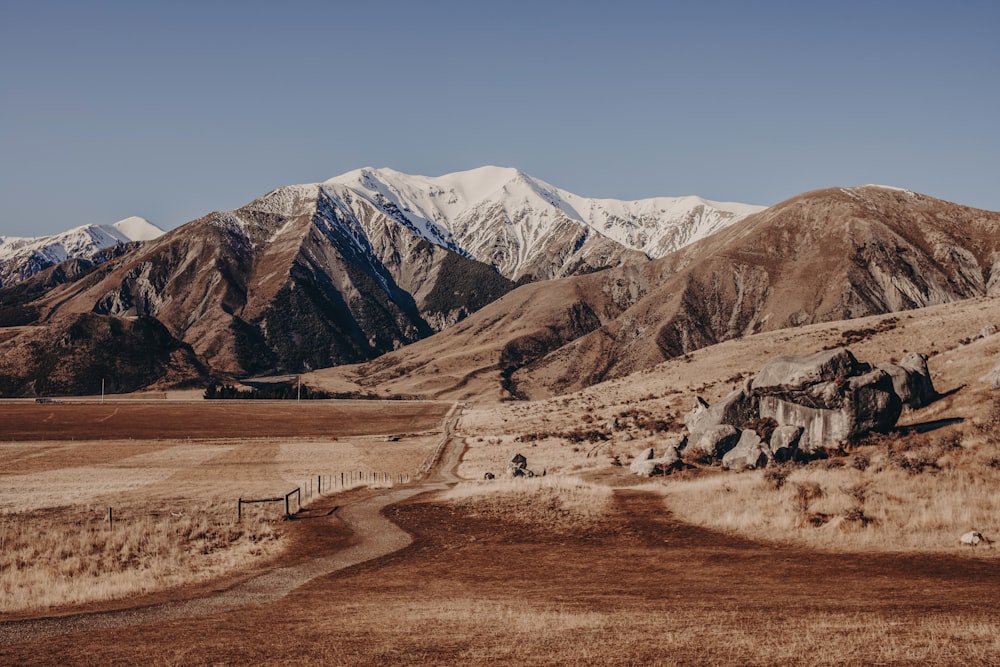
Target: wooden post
111 518
239 509
319 485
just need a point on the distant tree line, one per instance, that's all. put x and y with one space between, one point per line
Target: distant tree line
279 392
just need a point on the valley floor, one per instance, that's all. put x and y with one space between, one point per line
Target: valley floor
633 587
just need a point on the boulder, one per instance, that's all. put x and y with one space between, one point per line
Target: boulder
858 406
671 456
646 466
824 399
785 443
738 407
810 369
518 467
749 453
911 380
711 443
972 538
993 377
696 413
643 463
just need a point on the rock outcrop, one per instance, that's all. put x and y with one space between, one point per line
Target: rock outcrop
518 467
808 403
646 465
749 453
911 380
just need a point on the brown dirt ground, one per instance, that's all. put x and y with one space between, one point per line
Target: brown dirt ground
20 421
638 588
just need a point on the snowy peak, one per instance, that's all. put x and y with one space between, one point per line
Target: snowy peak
22 257
507 218
135 228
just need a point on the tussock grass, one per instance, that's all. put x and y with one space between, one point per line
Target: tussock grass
535 632
918 494
73 556
554 502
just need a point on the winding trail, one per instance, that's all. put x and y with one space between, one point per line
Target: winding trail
375 536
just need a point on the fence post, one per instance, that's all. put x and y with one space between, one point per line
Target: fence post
239 509
111 519
319 485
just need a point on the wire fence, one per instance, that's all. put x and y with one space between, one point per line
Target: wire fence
322 485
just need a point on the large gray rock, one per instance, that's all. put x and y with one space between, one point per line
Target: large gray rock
811 369
824 399
830 412
911 380
737 408
749 453
785 443
643 463
697 412
711 443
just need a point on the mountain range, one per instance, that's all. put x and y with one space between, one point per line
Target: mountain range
21 258
823 256
324 274
480 283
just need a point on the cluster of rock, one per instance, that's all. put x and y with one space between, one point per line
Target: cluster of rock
797 406
646 464
518 467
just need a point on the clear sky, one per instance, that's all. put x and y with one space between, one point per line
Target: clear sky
170 110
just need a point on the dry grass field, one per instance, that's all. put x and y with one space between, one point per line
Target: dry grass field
170 474
850 560
916 491
568 573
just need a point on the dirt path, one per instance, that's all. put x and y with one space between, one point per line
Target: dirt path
374 536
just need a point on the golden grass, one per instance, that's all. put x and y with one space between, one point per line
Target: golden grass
534 632
916 494
74 556
553 502
174 503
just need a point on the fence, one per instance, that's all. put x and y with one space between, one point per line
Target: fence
323 484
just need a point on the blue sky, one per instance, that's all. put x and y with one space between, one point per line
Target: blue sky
173 110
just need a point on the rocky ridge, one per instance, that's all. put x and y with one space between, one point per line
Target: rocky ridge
23 257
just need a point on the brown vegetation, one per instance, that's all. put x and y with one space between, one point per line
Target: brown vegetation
630 585
173 498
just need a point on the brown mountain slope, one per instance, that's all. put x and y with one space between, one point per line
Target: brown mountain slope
823 256
286 283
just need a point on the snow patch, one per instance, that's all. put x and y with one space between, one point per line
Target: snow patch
468 209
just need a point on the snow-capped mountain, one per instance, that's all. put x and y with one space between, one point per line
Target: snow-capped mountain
331 273
526 227
23 257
